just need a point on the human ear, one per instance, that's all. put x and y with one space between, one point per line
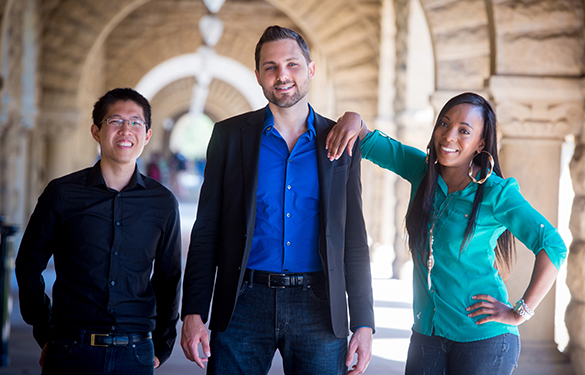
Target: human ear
95 133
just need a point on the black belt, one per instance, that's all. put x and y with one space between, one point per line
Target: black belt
104 339
107 340
284 280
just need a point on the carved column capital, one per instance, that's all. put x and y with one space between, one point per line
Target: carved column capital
58 123
538 108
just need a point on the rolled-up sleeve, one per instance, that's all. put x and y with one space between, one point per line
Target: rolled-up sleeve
527 224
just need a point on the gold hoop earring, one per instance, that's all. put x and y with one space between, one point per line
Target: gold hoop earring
427 158
488 174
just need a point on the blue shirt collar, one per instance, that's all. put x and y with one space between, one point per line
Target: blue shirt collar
269 122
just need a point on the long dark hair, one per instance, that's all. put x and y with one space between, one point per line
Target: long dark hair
419 213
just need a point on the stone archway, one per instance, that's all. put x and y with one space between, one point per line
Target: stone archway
98 43
220 67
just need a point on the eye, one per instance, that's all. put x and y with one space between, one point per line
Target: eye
464 131
136 122
269 68
115 122
443 124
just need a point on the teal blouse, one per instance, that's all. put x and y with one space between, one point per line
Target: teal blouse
456 277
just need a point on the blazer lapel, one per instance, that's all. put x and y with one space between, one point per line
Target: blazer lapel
324 167
251 139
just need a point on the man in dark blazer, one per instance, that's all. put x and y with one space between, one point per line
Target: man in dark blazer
280 239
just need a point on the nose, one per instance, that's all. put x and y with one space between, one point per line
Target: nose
450 133
282 74
125 126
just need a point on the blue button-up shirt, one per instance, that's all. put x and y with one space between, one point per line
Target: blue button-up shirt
287 208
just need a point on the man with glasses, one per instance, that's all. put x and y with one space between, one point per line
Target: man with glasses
115 238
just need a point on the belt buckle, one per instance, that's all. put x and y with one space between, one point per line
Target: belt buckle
94 335
270 275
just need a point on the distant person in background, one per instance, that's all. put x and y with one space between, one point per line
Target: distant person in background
153 169
115 238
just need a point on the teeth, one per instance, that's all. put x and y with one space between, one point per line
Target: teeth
447 149
124 143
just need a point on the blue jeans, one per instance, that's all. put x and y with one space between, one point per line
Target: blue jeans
295 321
435 355
68 355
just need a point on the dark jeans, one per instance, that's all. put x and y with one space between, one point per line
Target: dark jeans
294 320
67 355
435 355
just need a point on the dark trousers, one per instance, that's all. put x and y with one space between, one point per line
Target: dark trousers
294 320
69 354
435 355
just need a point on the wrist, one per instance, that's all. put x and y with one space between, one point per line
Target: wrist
523 310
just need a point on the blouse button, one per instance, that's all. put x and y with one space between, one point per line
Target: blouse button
542 225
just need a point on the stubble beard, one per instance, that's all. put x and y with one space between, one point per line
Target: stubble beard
286 101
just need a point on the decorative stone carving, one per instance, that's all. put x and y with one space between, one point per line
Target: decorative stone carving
56 124
549 108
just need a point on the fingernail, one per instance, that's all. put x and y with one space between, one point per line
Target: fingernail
207 354
469 315
474 297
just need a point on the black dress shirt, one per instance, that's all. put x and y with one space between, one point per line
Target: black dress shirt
117 259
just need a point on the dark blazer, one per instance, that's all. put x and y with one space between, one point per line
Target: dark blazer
222 235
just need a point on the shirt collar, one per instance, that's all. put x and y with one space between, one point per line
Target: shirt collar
95 177
268 125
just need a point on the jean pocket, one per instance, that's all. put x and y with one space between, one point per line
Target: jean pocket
60 348
243 288
318 293
144 353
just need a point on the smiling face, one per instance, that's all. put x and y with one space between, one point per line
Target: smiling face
284 73
458 136
121 145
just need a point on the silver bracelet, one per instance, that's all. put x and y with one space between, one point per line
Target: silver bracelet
522 309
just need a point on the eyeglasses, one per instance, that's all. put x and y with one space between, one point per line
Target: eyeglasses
134 123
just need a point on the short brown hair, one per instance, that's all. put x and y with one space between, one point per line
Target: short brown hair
274 33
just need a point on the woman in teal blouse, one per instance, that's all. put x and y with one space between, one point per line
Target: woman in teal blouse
460 222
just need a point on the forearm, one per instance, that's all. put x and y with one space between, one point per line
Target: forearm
543 278
167 315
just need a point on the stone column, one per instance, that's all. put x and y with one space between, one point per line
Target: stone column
575 314
534 116
378 184
401 187
58 126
